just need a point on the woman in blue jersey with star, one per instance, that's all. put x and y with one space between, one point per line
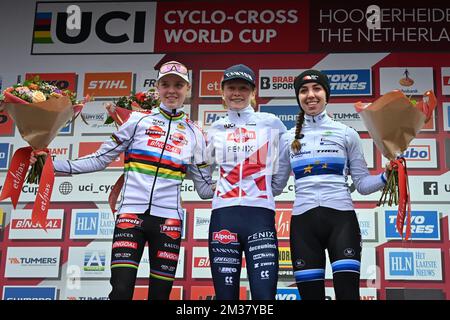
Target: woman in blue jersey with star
322 152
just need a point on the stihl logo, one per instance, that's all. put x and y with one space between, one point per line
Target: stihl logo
225 236
241 135
111 84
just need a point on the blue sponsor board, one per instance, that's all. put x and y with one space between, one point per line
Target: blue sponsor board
29 293
287 294
424 225
286 113
353 82
86 223
4 155
401 263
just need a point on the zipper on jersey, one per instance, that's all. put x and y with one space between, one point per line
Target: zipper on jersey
159 161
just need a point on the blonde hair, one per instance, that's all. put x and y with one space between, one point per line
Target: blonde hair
253 102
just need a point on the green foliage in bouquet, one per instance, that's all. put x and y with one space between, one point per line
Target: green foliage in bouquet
139 101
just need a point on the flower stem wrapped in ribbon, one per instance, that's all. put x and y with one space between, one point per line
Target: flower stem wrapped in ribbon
39 111
393 121
119 112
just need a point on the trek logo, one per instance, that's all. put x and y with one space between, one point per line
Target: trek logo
241 135
123 28
155 132
430 188
225 236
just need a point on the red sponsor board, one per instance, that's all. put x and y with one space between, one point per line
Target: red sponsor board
27 224
64 81
112 84
201 262
283 223
232 26
208 293
6 124
363 26
90 147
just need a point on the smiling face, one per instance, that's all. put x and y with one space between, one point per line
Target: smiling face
312 98
172 90
237 94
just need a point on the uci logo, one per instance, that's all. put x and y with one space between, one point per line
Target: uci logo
93 24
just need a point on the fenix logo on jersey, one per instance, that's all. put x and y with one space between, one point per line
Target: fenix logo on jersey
93 28
350 82
424 225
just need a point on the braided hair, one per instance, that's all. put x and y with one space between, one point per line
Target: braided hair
296 146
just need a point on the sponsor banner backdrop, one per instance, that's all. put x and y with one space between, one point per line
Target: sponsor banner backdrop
411 81
29 262
21 227
238 27
121 27
413 264
92 224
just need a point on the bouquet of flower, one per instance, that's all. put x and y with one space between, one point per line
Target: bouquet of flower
393 121
120 111
39 111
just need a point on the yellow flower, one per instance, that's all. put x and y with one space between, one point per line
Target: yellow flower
56 95
37 96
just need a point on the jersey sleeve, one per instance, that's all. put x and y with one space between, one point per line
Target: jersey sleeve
107 153
364 182
282 165
199 170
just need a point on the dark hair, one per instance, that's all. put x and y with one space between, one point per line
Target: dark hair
295 145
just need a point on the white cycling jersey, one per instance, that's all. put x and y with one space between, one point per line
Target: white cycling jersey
245 146
329 152
160 149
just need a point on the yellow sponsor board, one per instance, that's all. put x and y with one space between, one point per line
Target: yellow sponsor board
284 258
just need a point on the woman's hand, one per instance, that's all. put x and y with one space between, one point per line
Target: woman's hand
35 154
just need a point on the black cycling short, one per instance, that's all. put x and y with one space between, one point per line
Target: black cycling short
321 229
131 233
236 229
